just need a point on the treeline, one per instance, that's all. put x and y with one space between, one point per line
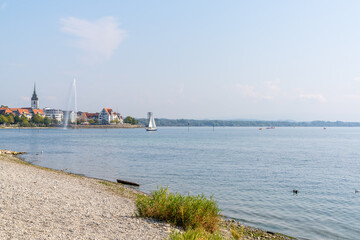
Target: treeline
244 123
39 121
131 120
35 121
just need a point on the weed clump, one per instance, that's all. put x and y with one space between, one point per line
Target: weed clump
195 234
189 212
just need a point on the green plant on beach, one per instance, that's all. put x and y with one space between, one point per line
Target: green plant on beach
201 234
195 234
189 212
237 234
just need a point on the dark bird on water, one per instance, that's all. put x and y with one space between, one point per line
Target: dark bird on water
295 191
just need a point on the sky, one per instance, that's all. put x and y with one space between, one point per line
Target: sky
266 60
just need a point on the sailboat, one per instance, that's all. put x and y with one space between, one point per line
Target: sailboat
151 125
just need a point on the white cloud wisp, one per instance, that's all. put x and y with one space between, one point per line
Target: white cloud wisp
3 6
99 38
317 97
267 91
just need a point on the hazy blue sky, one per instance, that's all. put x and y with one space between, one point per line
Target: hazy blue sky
272 60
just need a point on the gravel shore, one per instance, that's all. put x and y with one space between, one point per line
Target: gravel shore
38 203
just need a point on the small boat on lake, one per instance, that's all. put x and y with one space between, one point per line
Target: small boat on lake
151 124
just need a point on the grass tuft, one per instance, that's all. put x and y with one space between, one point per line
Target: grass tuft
237 235
106 183
195 234
189 212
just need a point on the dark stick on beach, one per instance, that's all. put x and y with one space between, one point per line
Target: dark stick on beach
127 182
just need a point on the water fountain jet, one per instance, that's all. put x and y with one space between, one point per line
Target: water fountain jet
72 96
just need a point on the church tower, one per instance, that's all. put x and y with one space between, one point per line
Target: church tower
34 99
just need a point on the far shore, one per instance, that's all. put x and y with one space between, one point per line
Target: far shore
52 204
79 126
125 125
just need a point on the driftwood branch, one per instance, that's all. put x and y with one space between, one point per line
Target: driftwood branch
127 182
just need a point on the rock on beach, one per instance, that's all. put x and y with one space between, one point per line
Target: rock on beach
38 203
10 152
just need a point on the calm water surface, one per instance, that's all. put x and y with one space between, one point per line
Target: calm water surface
251 173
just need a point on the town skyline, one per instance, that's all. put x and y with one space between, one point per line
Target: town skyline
202 60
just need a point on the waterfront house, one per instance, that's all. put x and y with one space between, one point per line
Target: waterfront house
86 116
93 116
4 111
26 112
56 114
82 117
21 112
38 112
34 111
107 115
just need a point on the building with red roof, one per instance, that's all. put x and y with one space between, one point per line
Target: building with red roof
85 116
22 112
4 111
107 115
34 111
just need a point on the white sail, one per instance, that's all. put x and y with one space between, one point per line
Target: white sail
151 125
153 122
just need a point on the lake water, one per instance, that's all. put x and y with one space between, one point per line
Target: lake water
251 173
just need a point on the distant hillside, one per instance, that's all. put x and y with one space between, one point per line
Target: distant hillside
163 122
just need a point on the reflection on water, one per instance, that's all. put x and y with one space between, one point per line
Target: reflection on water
251 173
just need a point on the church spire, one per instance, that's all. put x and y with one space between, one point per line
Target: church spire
34 99
34 96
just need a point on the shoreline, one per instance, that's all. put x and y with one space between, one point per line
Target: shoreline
130 194
126 126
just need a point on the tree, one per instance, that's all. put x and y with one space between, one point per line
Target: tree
3 119
16 119
37 119
47 121
25 123
80 120
131 120
10 118
128 119
55 122
23 118
91 121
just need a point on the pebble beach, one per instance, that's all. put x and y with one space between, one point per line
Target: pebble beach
39 203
